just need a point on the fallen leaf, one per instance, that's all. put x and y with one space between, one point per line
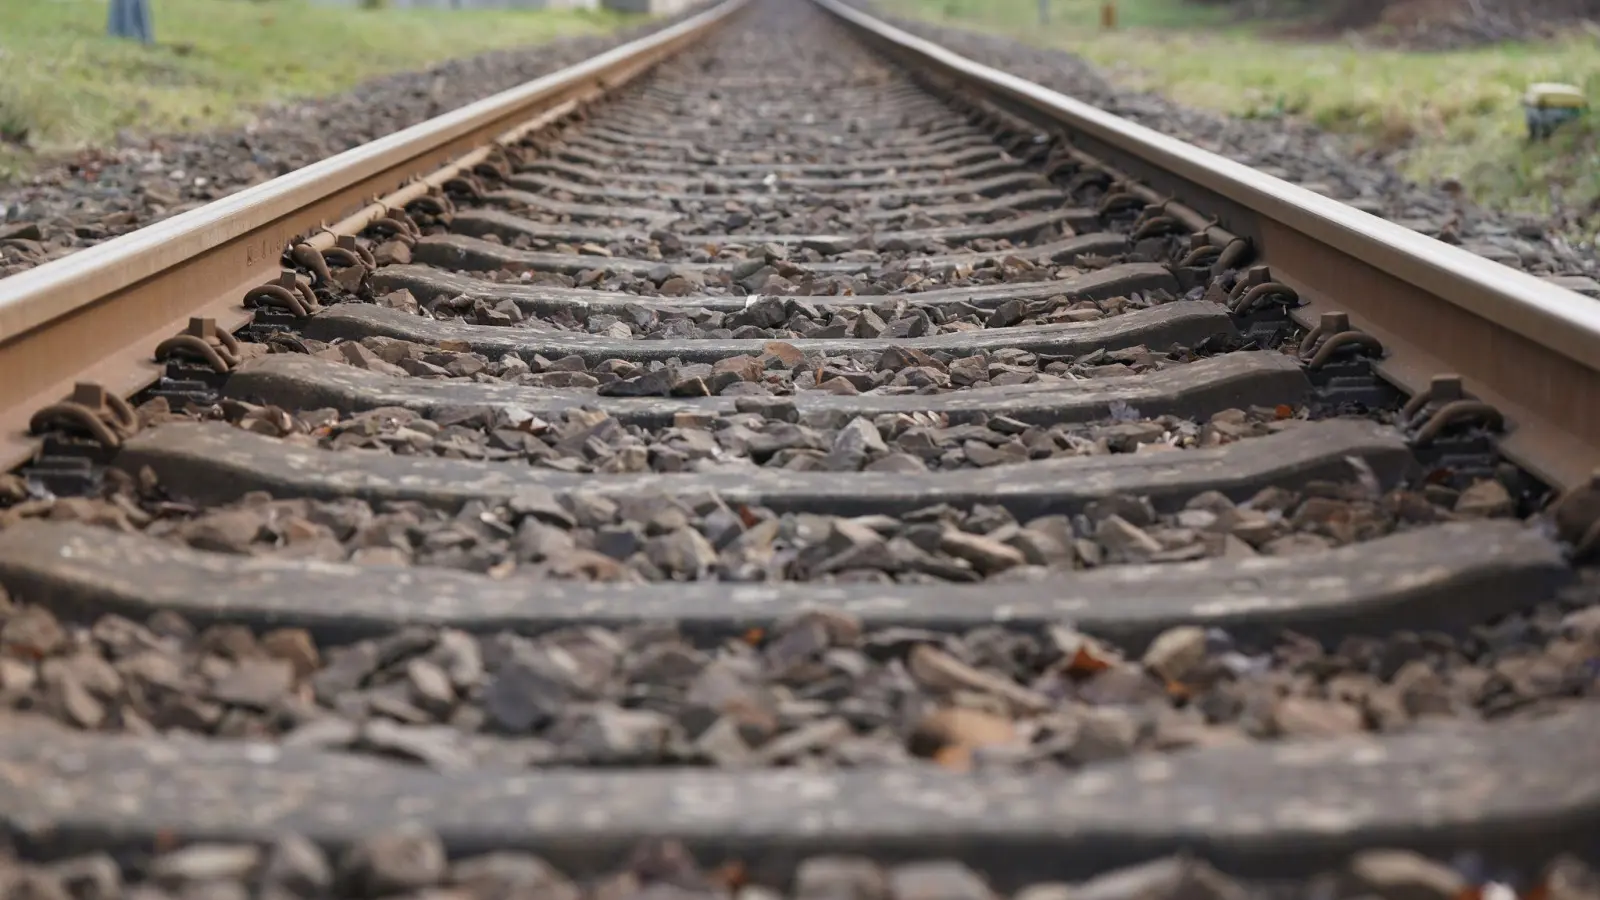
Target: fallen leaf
1085 662
955 757
957 731
731 874
789 354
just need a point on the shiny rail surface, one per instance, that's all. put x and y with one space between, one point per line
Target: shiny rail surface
782 458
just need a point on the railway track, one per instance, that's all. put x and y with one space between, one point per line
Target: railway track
789 460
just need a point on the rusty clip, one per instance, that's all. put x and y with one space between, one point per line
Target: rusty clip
347 252
492 168
91 411
1446 399
1206 252
530 146
436 205
1153 221
202 341
1061 162
1156 226
307 257
288 293
1332 335
1119 199
464 184
1233 253
1256 289
1013 142
397 226
1088 177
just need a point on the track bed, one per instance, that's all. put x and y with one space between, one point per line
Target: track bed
783 481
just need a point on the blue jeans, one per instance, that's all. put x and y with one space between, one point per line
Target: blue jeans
131 19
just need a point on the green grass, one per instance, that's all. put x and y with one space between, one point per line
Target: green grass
1017 15
1452 115
64 85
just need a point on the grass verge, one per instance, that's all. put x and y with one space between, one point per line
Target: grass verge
64 85
1450 115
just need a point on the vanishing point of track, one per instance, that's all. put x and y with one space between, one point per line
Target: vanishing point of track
781 455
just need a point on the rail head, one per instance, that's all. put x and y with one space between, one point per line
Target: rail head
1512 313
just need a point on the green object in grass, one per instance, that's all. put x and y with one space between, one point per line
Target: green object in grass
1548 105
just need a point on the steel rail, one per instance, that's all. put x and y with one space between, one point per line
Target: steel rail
1527 347
97 315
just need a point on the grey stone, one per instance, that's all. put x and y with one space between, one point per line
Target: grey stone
1403 875
936 880
1176 652
505 874
256 683
206 862
392 862
298 867
840 878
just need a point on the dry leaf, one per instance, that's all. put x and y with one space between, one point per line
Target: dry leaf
1085 662
731 874
958 731
955 757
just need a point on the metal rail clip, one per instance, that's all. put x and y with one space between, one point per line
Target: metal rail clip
288 294
464 185
1259 305
347 252
493 168
436 206
91 412
201 342
1446 404
1153 222
1121 199
1453 435
1339 361
1216 252
1333 336
397 226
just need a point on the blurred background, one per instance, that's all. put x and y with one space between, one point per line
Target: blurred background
66 83
1434 87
